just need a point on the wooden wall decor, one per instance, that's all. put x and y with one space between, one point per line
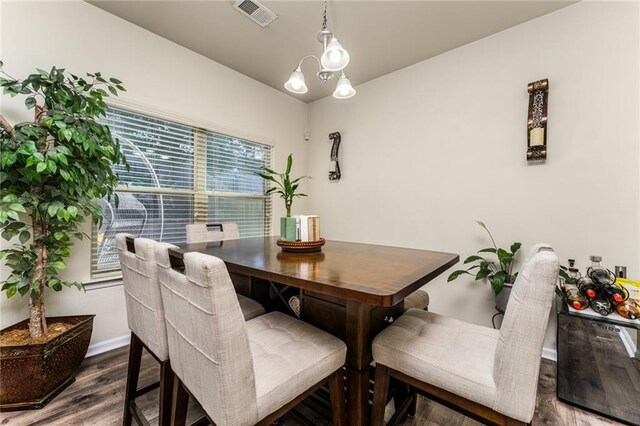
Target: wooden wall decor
334 166
537 121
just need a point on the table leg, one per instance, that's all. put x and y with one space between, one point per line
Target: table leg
358 329
358 408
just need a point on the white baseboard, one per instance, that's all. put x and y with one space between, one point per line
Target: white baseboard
550 353
108 345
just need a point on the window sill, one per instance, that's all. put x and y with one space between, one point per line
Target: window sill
100 283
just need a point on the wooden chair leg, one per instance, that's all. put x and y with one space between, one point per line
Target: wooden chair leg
380 390
166 393
133 371
179 403
413 408
336 392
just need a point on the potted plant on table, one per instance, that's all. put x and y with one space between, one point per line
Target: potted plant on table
53 171
286 188
499 271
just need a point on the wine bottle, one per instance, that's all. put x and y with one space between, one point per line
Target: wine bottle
598 273
588 288
615 293
574 298
628 309
601 305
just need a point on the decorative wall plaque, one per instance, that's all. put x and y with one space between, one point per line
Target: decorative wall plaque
537 121
334 165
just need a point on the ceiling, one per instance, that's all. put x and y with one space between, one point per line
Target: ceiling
380 36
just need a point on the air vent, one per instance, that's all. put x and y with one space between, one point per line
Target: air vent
255 11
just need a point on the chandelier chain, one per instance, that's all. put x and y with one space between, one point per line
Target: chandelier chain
324 16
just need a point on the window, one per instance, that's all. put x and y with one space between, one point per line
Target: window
179 175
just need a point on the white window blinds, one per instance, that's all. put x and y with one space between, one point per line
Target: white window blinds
179 175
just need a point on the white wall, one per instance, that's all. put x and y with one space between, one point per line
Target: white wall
428 149
156 72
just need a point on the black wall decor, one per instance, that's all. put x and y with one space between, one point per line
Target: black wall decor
334 167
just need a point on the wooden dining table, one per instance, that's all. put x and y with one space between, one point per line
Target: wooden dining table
350 290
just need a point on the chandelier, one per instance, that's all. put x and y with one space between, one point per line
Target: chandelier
334 58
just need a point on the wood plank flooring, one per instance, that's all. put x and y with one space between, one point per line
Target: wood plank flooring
95 399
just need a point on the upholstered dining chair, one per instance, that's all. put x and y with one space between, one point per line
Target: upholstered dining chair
145 317
204 233
490 375
241 373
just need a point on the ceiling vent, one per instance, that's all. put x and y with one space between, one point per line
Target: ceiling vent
255 11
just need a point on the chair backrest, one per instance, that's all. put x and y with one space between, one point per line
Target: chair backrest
519 349
145 312
204 233
208 340
533 251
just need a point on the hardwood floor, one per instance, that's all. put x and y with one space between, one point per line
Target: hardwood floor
95 399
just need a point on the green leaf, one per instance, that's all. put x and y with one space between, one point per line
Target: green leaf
497 281
487 250
18 208
59 265
115 80
68 134
30 102
13 215
456 274
504 256
73 211
41 167
52 210
11 291
24 236
289 164
472 259
9 198
515 247
483 273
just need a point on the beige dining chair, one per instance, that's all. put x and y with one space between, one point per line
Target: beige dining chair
204 233
241 373
490 375
145 317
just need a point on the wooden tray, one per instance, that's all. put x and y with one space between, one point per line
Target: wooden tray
301 246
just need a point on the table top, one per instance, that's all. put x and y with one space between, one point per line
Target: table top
367 273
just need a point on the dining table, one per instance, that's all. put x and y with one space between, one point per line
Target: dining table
351 290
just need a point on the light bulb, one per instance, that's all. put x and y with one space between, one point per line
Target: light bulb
296 84
344 90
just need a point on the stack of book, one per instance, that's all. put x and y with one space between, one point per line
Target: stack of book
300 228
307 228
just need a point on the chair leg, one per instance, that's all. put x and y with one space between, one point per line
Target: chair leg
336 392
413 408
380 390
179 403
166 393
133 371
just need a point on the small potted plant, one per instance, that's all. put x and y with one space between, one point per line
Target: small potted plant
499 271
52 172
286 188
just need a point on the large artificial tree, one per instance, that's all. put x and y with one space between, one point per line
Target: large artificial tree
52 172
